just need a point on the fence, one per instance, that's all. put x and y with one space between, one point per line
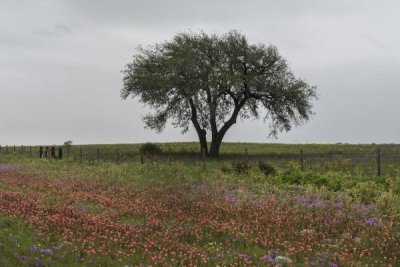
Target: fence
375 162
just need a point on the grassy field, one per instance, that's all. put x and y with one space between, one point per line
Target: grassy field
236 148
235 211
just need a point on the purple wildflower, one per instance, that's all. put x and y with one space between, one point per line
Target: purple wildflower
6 166
313 262
242 255
272 253
39 263
332 264
32 249
220 256
372 221
21 257
230 198
50 250
364 210
266 258
270 257
312 201
337 205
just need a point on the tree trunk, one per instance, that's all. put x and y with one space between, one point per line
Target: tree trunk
202 134
218 136
215 145
203 142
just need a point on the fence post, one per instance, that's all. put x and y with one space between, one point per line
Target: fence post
41 152
98 154
378 161
14 148
81 152
141 157
60 153
301 160
53 152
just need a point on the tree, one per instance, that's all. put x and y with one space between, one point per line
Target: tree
210 81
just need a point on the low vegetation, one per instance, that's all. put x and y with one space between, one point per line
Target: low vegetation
226 213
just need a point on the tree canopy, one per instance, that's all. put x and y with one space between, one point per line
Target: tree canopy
210 81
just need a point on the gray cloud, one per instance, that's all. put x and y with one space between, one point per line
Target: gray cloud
58 30
373 41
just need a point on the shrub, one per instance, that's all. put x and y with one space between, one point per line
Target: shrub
150 149
388 201
303 178
241 166
365 192
225 169
68 143
291 177
266 168
394 184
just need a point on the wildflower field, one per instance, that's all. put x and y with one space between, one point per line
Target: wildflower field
80 213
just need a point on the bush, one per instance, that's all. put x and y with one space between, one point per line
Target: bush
150 149
293 177
241 166
68 143
388 201
394 184
266 168
365 192
225 169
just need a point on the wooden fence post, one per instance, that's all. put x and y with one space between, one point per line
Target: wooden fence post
98 154
301 160
81 152
60 153
41 152
53 152
378 161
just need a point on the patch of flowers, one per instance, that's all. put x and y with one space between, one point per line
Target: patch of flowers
191 225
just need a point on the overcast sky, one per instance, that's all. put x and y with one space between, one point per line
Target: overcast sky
60 64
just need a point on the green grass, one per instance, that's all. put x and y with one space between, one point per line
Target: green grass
21 246
330 178
345 157
226 148
334 176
